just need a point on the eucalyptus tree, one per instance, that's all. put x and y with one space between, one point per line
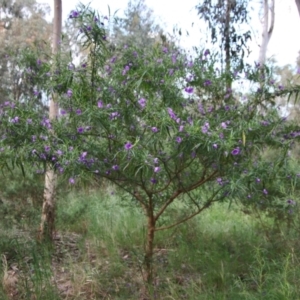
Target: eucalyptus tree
298 5
24 34
48 210
225 20
268 21
137 27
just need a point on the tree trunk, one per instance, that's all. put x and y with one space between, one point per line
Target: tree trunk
267 30
48 210
298 6
148 260
228 44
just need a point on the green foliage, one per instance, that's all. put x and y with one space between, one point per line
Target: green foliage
23 29
135 120
137 27
20 198
225 20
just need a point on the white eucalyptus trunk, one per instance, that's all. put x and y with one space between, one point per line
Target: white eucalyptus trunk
268 26
298 6
48 210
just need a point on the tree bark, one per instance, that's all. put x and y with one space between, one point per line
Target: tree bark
298 6
48 209
267 30
148 260
228 44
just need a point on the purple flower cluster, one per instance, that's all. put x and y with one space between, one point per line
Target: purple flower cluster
189 89
172 114
142 102
114 115
125 70
205 128
74 14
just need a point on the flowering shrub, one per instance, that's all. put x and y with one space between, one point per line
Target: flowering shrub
159 125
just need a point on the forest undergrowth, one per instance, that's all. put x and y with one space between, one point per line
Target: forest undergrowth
224 253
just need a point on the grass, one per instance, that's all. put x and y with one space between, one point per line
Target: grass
98 252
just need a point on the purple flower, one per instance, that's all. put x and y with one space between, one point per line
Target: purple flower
156 169
291 202
206 52
154 129
174 58
114 115
47 148
153 180
100 104
33 138
74 14
155 160
236 151
178 139
190 64
265 123
142 102
171 113
201 109
223 125
205 128
15 120
189 89
258 180
115 167
125 70
59 152
62 112
82 156
265 191
71 180
78 111
46 122
215 146
113 59
181 128
80 129
69 93
128 146
207 82
219 181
